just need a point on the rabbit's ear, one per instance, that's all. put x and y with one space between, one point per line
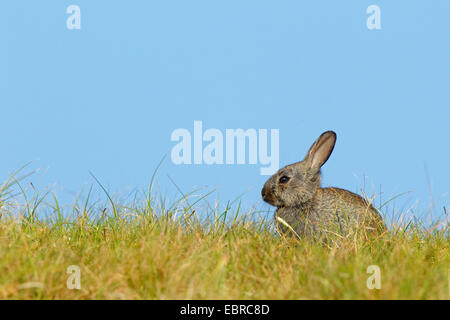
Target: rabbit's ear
320 151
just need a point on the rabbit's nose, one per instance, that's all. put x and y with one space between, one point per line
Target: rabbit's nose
264 193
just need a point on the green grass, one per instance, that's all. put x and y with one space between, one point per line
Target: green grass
149 250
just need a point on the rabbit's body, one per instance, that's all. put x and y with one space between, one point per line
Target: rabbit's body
314 212
332 211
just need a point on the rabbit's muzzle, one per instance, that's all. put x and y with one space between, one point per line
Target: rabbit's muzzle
267 195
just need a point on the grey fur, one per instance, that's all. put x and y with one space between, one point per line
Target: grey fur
314 212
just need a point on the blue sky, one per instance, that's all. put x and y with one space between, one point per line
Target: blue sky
107 97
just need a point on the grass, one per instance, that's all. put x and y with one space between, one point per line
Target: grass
149 250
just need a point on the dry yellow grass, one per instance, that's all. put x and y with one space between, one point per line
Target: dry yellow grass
162 258
149 251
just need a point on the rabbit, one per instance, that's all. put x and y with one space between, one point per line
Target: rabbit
309 211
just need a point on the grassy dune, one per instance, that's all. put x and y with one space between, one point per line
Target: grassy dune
149 251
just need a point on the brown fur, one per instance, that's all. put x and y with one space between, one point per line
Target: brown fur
312 211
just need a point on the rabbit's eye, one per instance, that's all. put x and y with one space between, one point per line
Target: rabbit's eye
284 179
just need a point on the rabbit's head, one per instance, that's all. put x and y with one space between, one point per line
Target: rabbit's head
296 184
